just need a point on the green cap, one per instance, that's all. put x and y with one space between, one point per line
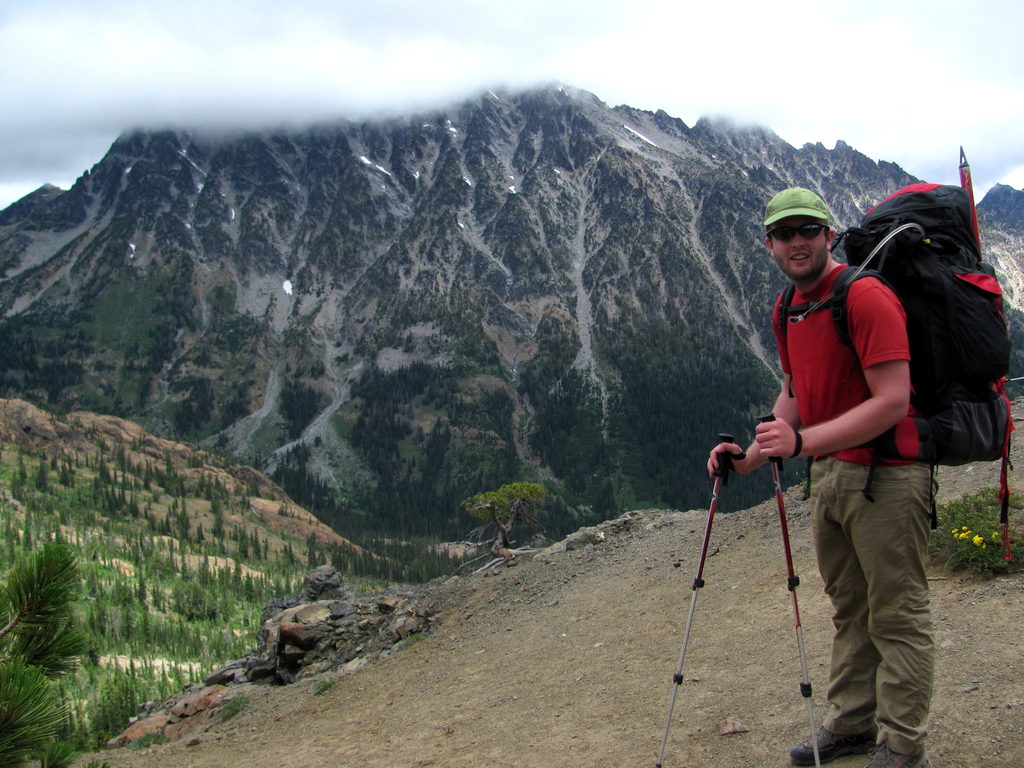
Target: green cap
795 201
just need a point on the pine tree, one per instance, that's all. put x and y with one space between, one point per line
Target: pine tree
502 509
37 644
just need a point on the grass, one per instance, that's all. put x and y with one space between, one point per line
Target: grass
233 707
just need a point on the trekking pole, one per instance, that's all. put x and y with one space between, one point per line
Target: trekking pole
721 478
794 580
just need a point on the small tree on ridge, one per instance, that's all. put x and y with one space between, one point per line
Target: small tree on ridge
502 509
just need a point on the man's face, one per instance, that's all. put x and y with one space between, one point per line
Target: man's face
805 256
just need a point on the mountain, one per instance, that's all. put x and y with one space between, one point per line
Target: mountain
1003 208
389 316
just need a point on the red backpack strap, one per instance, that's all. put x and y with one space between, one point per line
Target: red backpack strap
1004 472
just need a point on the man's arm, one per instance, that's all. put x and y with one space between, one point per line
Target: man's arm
786 409
889 384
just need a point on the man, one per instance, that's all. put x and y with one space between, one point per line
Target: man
870 514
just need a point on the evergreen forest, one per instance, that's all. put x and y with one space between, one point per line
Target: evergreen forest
176 562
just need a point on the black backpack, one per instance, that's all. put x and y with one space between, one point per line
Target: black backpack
920 242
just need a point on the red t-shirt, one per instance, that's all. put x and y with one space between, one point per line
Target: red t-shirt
827 378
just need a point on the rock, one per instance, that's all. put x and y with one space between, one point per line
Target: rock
260 670
192 725
269 634
275 606
317 668
355 665
226 674
314 613
291 655
323 583
197 702
340 610
730 726
597 534
369 624
404 626
140 728
324 628
583 537
193 713
304 636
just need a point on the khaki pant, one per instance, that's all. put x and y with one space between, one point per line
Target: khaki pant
872 559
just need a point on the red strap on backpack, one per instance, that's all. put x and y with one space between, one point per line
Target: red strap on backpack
1004 485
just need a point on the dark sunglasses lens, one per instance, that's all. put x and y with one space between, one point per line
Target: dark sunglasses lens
807 232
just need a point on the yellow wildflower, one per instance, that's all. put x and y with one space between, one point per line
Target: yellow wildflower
978 541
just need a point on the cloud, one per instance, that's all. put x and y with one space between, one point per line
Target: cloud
908 85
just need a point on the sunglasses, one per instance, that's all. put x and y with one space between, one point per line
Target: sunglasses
806 231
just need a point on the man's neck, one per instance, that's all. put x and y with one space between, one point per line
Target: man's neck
809 285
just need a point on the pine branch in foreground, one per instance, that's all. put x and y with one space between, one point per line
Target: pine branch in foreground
35 612
31 710
37 643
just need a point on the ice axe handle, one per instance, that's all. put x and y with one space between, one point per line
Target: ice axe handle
725 458
762 419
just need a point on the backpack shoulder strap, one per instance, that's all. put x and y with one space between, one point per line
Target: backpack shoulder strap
785 305
837 304
840 292
789 310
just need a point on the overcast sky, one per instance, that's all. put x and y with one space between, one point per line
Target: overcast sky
907 81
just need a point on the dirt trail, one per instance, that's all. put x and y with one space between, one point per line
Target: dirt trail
566 660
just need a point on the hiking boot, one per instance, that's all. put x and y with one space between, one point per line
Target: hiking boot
883 757
833 745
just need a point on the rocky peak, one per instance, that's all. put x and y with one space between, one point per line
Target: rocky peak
593 280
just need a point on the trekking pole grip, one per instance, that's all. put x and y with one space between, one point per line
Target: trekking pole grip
725 458
764 418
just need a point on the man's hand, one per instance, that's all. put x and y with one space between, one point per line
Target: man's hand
735 452
775 438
